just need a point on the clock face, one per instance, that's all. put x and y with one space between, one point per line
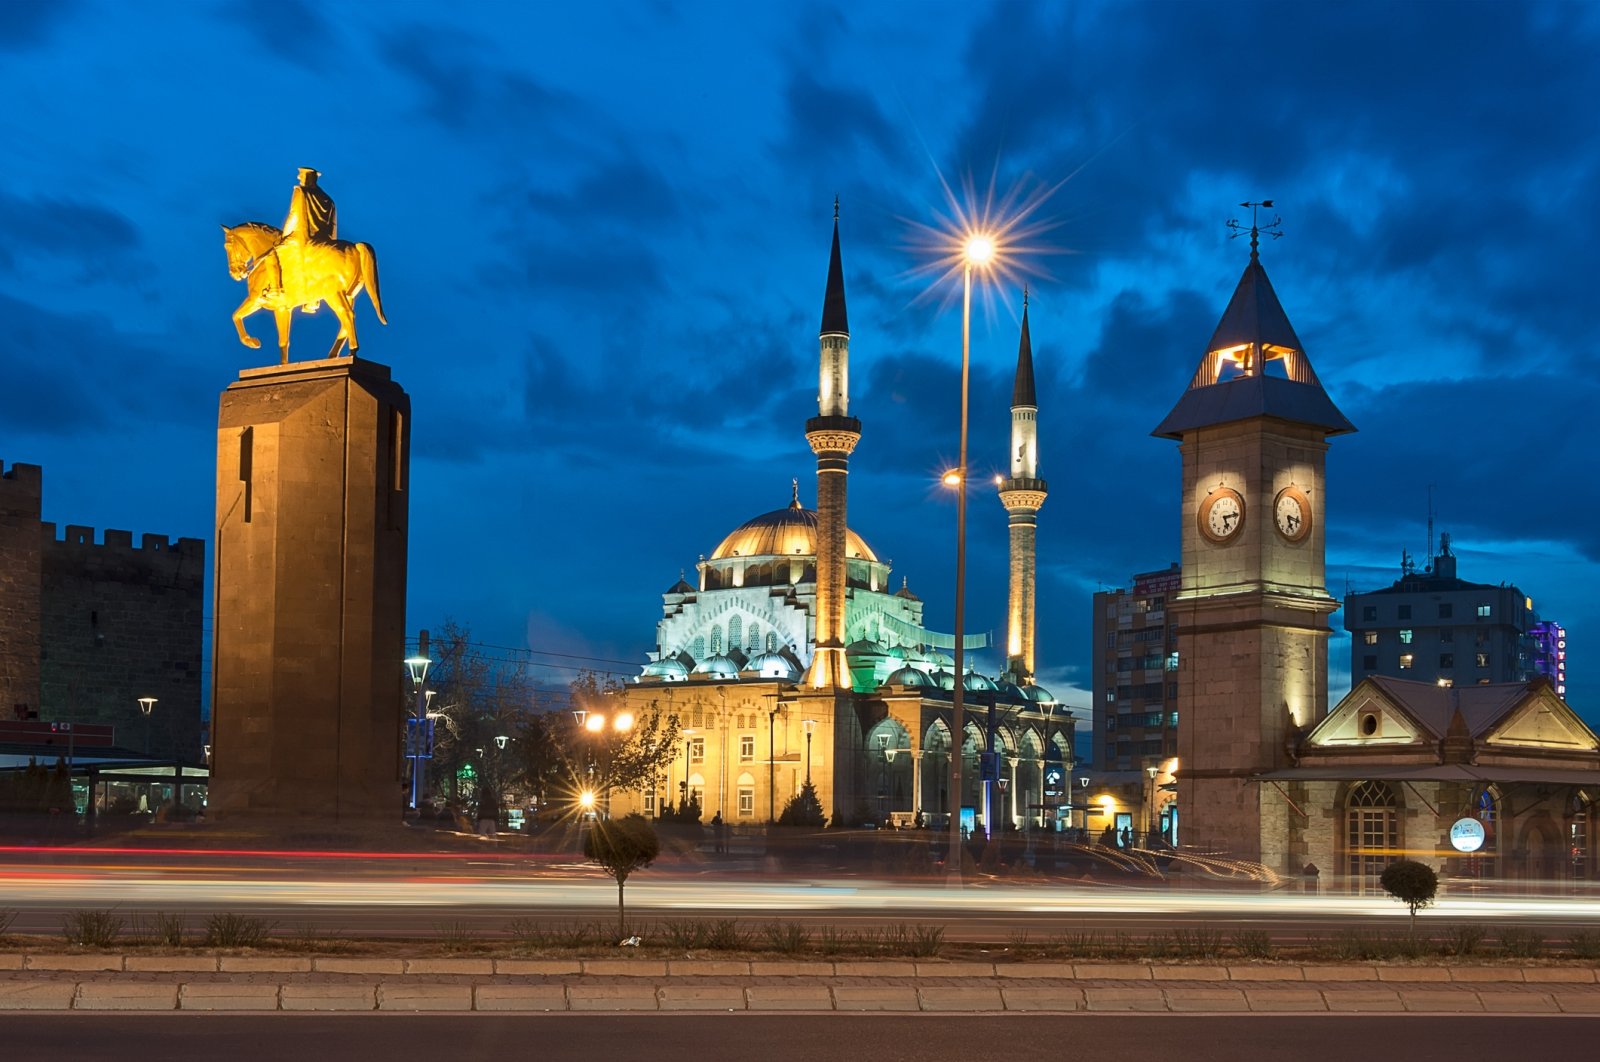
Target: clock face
1221 514
1291 514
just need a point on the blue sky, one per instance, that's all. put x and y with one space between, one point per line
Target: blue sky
602 232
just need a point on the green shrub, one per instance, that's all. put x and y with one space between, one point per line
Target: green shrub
684 935
1253 943
1520 942
926 941
1197 943
1464 939
1585 943
229 930
1413 884
786 938
92 929
725 935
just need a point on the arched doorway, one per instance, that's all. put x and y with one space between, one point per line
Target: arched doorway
889 770
1371 834
934 799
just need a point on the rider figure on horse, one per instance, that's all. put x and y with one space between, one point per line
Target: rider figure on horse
311 219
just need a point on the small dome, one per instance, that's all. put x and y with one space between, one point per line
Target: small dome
1012 692
908 676
774 665
944 680
938 659
976 681
864 647
1039 694
718 666
668 670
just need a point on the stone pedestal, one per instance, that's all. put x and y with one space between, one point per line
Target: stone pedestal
312 482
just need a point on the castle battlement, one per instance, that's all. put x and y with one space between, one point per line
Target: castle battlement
116 541
21 488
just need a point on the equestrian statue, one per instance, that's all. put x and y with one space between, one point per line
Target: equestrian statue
301 266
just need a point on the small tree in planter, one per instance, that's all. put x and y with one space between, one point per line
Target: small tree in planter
803 809
1413 884
622 846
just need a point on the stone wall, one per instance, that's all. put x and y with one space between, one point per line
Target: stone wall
20 499
119 622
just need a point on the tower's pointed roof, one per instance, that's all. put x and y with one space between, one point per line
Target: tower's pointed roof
834 319
1022 393
1232 383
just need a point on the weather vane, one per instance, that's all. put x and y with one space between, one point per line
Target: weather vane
1271 228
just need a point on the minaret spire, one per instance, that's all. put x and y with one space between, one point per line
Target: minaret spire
833 434
1023 494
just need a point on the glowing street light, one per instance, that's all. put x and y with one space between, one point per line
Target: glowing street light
978 252
146 706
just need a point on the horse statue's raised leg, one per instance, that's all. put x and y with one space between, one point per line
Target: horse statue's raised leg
346 312
246 308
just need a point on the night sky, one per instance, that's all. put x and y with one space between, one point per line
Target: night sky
602 231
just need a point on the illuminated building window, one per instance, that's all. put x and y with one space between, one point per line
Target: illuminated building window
1447 660
1405 636
1405 661
747 801
697 750
650 803
1172 718
747 748
1371 637
1483 660
1485 611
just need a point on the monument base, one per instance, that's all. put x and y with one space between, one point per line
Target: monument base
308 704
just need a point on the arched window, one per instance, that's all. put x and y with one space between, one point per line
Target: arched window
699 648
1372 833
734 630
753 639
772 642
716 639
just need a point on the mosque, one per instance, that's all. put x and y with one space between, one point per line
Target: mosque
790 658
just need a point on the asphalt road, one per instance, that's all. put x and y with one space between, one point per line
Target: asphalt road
416 895
179 1037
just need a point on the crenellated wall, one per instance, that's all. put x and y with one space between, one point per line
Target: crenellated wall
120 621
21 491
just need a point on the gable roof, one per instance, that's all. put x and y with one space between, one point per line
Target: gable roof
1502 715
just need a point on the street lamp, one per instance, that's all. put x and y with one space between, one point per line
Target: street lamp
808 725
1150 806
419 728
146 706
977 251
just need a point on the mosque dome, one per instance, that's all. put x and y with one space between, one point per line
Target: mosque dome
718 666
908 676
1039 694
1012 692
787 532
668 670
774 665
944 680
976 681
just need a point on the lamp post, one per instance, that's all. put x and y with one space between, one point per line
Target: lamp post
417 667
977 252
808 725
146 706
1150 805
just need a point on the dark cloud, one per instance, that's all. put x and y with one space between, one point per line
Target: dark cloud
462 93
627 191
26 24
293 30
830 122
85 234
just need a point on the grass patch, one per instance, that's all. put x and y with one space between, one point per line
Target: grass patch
455 934
785 938
92 929
1253 943
1464 940
228 930
1519 942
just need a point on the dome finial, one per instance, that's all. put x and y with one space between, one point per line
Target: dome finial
794 502
836 206
1024 296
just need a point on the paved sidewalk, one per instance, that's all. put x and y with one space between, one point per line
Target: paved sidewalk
92 981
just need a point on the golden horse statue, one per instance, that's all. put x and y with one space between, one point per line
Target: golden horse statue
287 275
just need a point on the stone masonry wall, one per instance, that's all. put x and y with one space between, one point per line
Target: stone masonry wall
20 499
119 622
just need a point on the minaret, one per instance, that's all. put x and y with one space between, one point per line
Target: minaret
833 434
1022 494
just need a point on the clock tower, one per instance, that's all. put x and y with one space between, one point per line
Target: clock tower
1252 612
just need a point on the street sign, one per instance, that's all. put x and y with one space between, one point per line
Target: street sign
1467 835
